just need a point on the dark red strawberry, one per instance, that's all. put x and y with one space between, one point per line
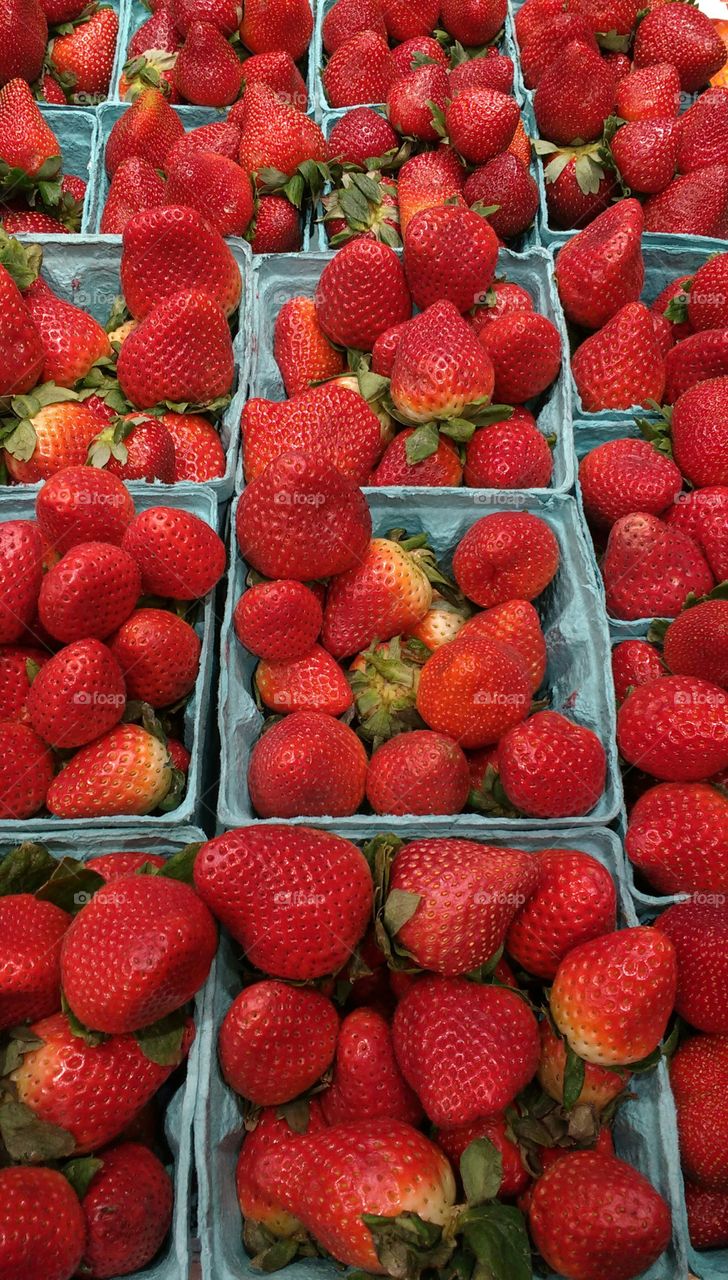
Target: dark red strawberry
128 1210
179 555
32 933
26 772
90 592
306 765
276 1041
602 269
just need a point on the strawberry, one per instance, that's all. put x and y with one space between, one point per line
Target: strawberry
687 39
481 123
42 1227
549 39
574 901
321 527
474 689
504 1047
27 770
60 1078
493 70
578 186
225 16
675 729
600 1190
276 1041
634 662
531 16
427 180
112 866
271 1130
207 72
649 568
602 269
385 349
135 186
702 138
159 655
699 431
472 22
277 226
420 772
645 153
277 24
707 299
601 1085
678 838
179 555
348 18
23 39
72 340
699 1077
571 771
128 1210
463 897
361 135
622 364
707 1217
21 571
194 257
443 467
302 351
508 455
126 771
362 207
82 504
460 376
504 181
694 204
515 623
78 695
649 93
642 962
405 19
32 932
136 450
89 592
279 621
198 452
311 683
413 97
409 53
277 70
511 555
86 55
306 765
154 928
180 351
159 32
362 290
450 255
701 514
367 1083
525 349
149 129
622 476
387 592
153 70
361 70
612 15
698 932
574 96
696 359
17 665
258 881
22 355
456 1139
58 436
28 142
222 137
696 643
32 222
227 202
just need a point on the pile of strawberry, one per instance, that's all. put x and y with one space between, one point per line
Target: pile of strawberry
206 52
423 681
433 1038
248 174
99 962
142 400
35 194
446 397
65 49
96 632
610 78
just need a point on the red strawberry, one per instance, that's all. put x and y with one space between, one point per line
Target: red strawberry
419 772
549 39
258 882
443 467
525 349
89 592
702 139
707 300
695 204
472 22
277 226
179 555
282 24
21 571
515 623
136 449
347 18
634 662
78 695
598 1188
127 771
411 98
459 377
23 39
28 142
649 93
302 351
622 364
367 1083
306 765
385 349
21 349
159 655
279 621
481 123
223 14
148 129
72 340
450 254
272 1130
91 1091
276 134
600 1085
311 683
602 269
62 432
216 186
531 16
361 135
168 251
42 1225
83 504
701 514
503 1035
387 592
407 18
27 770
511 555
222 137
578 186
697 358
427 180
696 643
699 931
409 53
135 186
346 218
645 153
675 729
276 1041
112 866
474 689
198 452
322 528
86 55
699 1077
360 293
678 837
622 476
331 421
207 72
504 181
180 351
570 774
158 32
32 932
361 70
707 1217
17 665
699 432
128 1210
575 94
685 38
649 569
32 222
574 901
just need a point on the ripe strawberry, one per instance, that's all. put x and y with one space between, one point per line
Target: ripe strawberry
450 255
128 1210
222 137
32 932
443 467
649 93
214 185
707 1217
179 555
481 123
699 1077
649 568
503 1035
89 592
387 592
474 689
63 432
28 142
707 300
112 866
224 15
126 771
21 349
675 729
277 226
525 349
515 623
427 180
575 95
678 838
311 683
360 293
136 448
600 1189
170 250
404 20
699 432
532 15
621 365
688 40
83 504
159 32
283 24
578 187
511 555
198 452
600 1087
26 773
367 1083
207 72
251 879
698 931
702 139
154 928
181 351
570 774
23 39
622 476
504 181
347 18
330 421
602 269
276 134
21 571
17 665
32 222
72 340
302 351
409 53
279 621
460 376
302 519
86 55
385 349
549 39
694 204
361 135
645 153
135 186
276 1041
42 1226
361 70
91 1091
472 22
634 662
419 772
159 655
574 901
699 357
306 765
456 1139
148 129
271 1130
492 70
411 97
78 695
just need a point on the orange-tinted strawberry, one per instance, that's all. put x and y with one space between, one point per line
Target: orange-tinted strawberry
367 1083
474 689
181 351
621 365
199 455
361 70
169 250
602 269
282 24
361 292
63 432
600 1084
570 774
511 555
126 771
302 351
574 900
179 555
313 682
214 185
276 134
419 772
426 180
276 1041
279 621
675 728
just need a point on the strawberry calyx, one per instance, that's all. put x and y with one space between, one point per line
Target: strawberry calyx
80 1173
21 261
613 41
65 28
490 797
359 202
408 1245
658 431
677 308
309 179
23 1136
384 679
43 187
589 163
145 71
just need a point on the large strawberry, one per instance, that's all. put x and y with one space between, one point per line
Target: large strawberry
276 1041
622 364
306 765
702 138
72 340
699 932
366 1083
331 422
601 269
127 771
650 568
440 369
387 592
159 655
361 70
127 1206
707 1217
89 592
481 123
302 351
277 24
276 135
696 643
77 695
32 933
22 355
148 129
505 181
450 253
42 1227
178 553
27 142
699 1079
649 93
413 98
695 203
83 504
678 838
347 18
216 186
21 571
575 94
701 356
361 292
207 71
513 555
515 623
550 767
258 1208
622 476
574 901
473 22
297 900
675 728
173 249
181 351
56 433
686 38
85 55
474 689
418 772
23 39
277 70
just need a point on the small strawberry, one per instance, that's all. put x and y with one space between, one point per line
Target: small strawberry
456 1139
135 449
525 349
305 765
21 572
279 621
148 129
207 72
504 181
480 123
89 592
222 137
311 683
472 22
18 664
602 269
124 772
508 455
82 504
575 95
216 186
702 138
347 18
23 39
442 467
170 250
699 932
450 255
28 142
696 359
135 186
515 623
198 452
367 1083
158 32
685 38
302 351
649 93
276 1041
578 185
512 555
600 1085
493 70
573 902
634 662
361 135
159 655
410 52
42 1227
621 365
276 227
32 933
78 695
181 351
650 568
699 1077
428 180
362 290
26 773
128 1210
277 24
86 55
405 19
412 99
179 555
675 729
32 222
72 340
258 879
361 70
223 14
678 838
570 774
694 204
384 679
622 476
419 772
22 355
